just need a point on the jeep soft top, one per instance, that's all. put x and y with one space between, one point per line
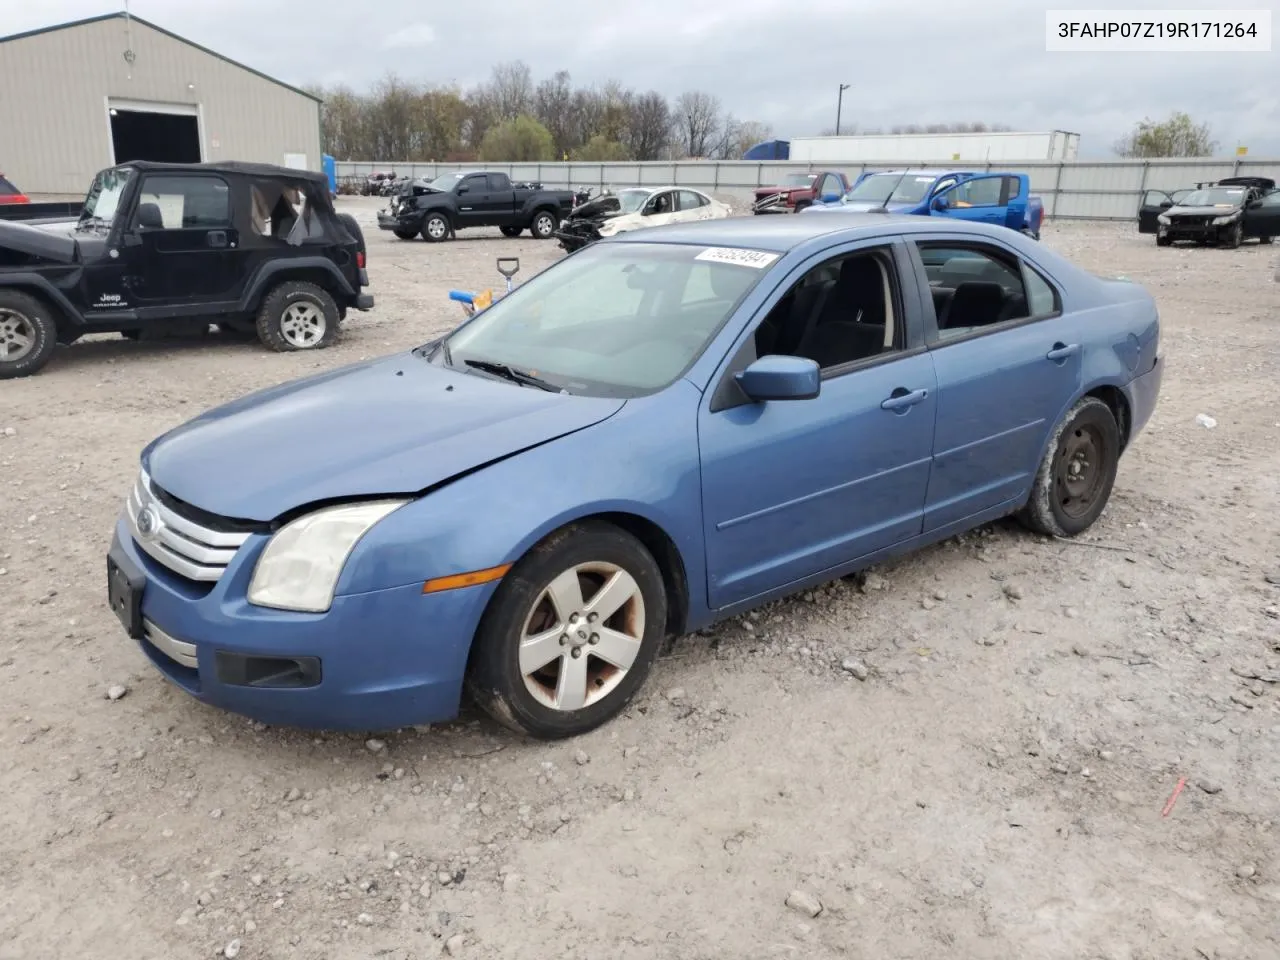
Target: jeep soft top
157 248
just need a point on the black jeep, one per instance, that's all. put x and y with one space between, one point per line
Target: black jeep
161 248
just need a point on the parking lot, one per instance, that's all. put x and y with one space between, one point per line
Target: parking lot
965 754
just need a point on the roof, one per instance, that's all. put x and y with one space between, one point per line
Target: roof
783 234
230 166
121 15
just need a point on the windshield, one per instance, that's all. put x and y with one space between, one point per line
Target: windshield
613 320
799 179
104 196
446 182
892 188
1214 197
632 200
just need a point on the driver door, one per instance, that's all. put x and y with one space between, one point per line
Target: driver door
978 199
1263 220
1154 203
661 209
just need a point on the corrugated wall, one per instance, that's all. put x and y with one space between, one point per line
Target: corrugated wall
1087 190
54 88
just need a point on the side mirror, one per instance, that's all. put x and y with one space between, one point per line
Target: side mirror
775 377
463 188
1166 204
1255 204
940 203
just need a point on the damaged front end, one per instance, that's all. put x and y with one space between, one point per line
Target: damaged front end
582 226
770 203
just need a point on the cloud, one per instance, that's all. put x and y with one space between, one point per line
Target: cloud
414 35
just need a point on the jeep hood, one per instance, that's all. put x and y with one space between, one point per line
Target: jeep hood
389 426
50 241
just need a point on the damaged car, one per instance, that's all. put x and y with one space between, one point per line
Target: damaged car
582 225
647 437
165 248
438 208
800 190
1224 213
636 208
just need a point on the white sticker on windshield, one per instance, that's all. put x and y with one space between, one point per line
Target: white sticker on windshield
757 259
924 179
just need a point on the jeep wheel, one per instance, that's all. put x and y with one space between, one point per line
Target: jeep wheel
435 228
28 334
544 225
511 231
298 316
404 234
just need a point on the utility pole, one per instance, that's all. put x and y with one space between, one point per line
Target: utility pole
840 105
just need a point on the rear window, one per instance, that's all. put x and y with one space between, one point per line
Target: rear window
7 189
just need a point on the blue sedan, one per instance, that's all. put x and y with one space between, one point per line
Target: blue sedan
659 431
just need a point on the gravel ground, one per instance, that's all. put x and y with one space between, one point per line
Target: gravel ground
965 754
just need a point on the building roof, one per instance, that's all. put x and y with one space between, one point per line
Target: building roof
121 15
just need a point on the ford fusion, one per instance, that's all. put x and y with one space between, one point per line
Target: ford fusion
657 432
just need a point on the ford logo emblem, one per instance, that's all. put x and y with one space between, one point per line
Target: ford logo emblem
148 523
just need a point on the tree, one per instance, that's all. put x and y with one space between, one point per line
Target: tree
600 149
521 140
553 107
649 129
740 136
698 123
1178 136
511 89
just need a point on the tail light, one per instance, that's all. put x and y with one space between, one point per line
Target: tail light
360 259
14 198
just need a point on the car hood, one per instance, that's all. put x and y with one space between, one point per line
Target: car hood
397 425
618 222
51 240
863 206
1179 211
780 188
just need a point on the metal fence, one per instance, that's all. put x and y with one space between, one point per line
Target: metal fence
1071 190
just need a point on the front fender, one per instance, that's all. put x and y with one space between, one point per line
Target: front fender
274 269
641 461
34 283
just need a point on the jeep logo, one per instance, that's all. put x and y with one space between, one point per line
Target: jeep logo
110 298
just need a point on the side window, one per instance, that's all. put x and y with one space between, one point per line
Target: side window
663 202
943 184
478 183
183 203
1014 185
1271 199
499 182
280 212
1042 296
979 192
690 200
1153 198
7 189
841 312
975 287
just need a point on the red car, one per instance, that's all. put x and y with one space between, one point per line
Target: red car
800 190
11 194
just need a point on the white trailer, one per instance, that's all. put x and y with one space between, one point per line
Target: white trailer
1054 145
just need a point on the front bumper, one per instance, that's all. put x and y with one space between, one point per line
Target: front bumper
375 661
1191 231
389 221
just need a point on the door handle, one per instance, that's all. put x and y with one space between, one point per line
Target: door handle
902 400
1061 351
217 238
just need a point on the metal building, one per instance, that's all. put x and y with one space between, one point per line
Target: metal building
77 97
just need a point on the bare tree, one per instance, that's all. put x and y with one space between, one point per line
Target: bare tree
553 106
698 122
649 129
512 89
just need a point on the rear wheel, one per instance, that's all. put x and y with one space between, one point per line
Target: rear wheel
298 316
1075 478
570 634
511 231
435 228
544 225
28 334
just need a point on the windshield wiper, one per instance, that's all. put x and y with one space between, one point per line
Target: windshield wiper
514 375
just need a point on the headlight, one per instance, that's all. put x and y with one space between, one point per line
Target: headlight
1221 221
1163 218
300 567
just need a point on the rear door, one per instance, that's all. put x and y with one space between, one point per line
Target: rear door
1263 221
500 206
182 227
977 199
1154 203
692 206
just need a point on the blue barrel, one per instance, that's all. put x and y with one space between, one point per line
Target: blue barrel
330 167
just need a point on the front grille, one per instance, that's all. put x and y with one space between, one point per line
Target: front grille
187 547
1192 221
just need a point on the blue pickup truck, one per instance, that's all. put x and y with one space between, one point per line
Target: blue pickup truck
1002 198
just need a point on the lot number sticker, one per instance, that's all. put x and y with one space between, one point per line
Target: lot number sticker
742 258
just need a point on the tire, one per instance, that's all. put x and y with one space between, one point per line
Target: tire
537 705
297 315
511 231
543 225
1065 503
435 228
28 334
1231 239
1163 241
404 234
1264 240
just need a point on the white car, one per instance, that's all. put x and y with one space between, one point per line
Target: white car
655 207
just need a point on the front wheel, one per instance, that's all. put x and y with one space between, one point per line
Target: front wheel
298 316
404 234
570 634
435 228
1075 478
1231 239
28 335
511 231
544 225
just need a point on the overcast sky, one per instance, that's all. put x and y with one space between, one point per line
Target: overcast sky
777 61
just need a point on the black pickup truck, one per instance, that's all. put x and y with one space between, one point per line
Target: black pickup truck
438 208
161 248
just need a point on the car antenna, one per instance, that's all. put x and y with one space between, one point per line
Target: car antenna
884 207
